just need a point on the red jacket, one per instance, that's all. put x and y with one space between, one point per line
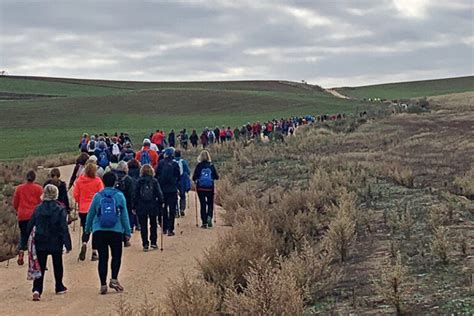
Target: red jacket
84 190
153 156
26 198
158 138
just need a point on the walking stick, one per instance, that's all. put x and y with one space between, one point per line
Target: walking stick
196 206
215 209
161 243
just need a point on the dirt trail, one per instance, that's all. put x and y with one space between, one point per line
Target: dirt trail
141 273
337 94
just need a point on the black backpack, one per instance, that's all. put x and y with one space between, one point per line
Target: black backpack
120 184
47 227
167 176
147 190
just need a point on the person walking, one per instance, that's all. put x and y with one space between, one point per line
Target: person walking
55 179
204 139
184 139
204 176
104 157
125 184
85 189
108 221
184 184
83 143
51 235
194 139
148 198
146 156
168 176
25 199
78 168
172 138
127 153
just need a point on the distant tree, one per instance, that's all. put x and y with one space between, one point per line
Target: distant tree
3 73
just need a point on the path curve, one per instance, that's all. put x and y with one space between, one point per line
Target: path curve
141 273
337 94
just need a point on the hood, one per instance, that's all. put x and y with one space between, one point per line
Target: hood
49 208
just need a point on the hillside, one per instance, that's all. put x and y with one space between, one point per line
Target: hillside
413 89
47 115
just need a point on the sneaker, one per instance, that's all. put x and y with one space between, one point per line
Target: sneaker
204 226
170 234
36 296
61 291
154 247
95 256
127 244
114 284
82 254
103 289
145 248
21 258
209 222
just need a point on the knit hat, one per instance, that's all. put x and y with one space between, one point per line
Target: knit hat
146 142
50 193
169 152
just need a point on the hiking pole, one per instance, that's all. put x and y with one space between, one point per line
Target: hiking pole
215 208
196 206
161 243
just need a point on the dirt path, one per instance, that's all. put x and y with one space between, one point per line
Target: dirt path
337 94
141 273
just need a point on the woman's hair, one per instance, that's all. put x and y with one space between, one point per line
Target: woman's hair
133 164
55 174
147 170
122 166
109 179
204 156
90 170
31 176
83 157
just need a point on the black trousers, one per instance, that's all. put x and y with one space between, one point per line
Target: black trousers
23 225
168 213
182 201
85 237
206 200
105 240
143 219
57 266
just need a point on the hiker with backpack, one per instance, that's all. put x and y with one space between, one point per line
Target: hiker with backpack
116 150
78 168
55 179
91 145
87 185
108 221
184 185
48 235
217 134
134 173
184 139
148 198
204 176
146 156
168 176
194 138
204 139
83 143
172 138
103 155
125 184
25 199
127 153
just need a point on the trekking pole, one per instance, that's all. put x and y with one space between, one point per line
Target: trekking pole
161 243
215 208
196 206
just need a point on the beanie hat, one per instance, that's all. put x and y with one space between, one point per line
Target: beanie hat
146 142
169 152
50 193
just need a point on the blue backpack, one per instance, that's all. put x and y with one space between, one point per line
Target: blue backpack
108 213
205 179
103 160
84 145
145 158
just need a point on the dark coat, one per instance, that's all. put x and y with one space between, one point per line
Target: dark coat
127 189
197 174
63 197
147 207
50 217
168 175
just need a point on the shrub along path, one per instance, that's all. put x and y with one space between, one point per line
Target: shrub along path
142 274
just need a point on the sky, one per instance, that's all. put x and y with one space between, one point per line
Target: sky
330 43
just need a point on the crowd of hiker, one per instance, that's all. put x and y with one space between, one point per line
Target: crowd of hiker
118 190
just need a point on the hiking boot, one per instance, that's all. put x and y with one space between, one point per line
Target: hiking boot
154 247
21 258
145 248
127 244
95 256
82 254
209 222
114 284
204 226
61 291
170 233
182 213
103 289
36 296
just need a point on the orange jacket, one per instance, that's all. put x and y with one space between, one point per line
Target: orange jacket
158 138
84 190
26 198
153 156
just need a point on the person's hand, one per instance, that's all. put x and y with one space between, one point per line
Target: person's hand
127 238
134 211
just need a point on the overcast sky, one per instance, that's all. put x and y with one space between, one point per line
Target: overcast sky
326 42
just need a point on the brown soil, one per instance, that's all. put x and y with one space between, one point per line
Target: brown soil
142 274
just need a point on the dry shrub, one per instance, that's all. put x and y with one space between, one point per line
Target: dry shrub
313 272
145 309
440 245
391 283
229 258
436 217
406 222
269 291
237 200
466 183
191 296
401 175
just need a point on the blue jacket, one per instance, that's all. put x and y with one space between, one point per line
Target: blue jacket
123 224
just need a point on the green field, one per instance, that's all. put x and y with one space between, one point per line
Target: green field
51 125
413 89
